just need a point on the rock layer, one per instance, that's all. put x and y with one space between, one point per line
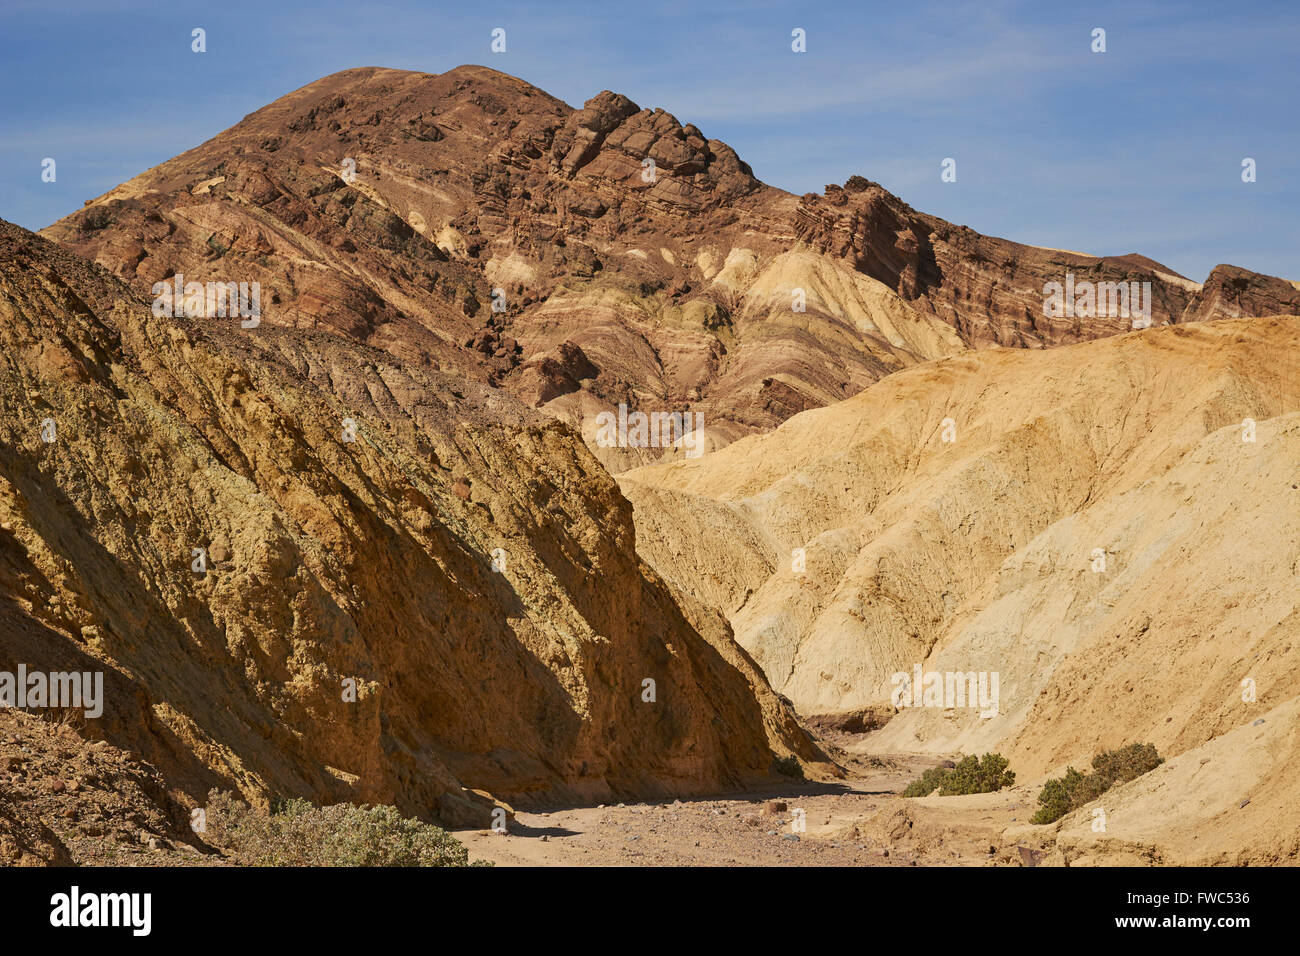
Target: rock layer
330 564
1111 528
401 209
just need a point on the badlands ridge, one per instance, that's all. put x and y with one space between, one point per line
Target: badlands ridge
463 600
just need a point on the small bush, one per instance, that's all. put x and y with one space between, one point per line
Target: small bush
971 775
1075 789
1057 797
984 775
788 767
1127 763
930 781
96 218
297 833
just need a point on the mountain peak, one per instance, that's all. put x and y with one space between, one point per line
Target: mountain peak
586 258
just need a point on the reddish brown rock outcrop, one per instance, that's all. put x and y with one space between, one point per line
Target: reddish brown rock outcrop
989 289
438 217
1234 293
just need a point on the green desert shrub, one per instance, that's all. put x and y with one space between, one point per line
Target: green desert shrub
1075 789
971 775
1056 797
788 767
929 782
96 218
1126 763
297 833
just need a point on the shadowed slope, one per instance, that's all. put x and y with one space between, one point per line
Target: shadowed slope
331 562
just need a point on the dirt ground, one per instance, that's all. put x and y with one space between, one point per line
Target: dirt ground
861 821
63 802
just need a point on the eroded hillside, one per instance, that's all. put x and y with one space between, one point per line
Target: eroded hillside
582 259
1113 528
131 442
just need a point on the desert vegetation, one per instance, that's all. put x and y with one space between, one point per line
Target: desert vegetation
969 775
297 833
1062 794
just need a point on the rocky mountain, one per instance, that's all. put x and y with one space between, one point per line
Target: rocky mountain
305 447
583 258
307 568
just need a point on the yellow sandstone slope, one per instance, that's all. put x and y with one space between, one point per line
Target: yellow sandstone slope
1098 533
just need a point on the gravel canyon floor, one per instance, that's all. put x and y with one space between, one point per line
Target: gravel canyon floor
374 548
1227 803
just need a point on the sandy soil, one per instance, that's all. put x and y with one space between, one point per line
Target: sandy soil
860 822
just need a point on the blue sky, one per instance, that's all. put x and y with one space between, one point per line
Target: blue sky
1137 149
